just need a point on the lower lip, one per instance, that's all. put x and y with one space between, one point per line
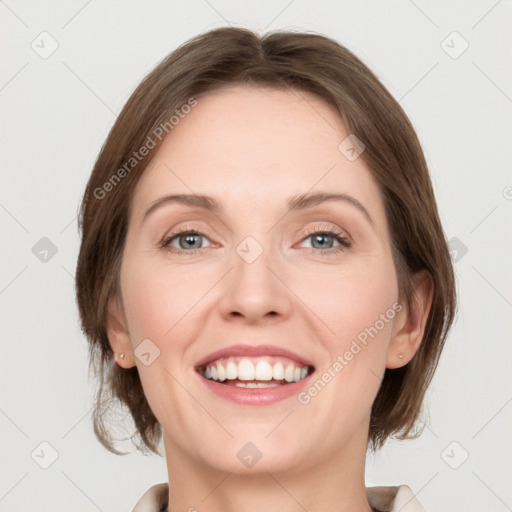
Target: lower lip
255 396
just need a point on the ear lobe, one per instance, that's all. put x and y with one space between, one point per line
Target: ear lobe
118 336
407 340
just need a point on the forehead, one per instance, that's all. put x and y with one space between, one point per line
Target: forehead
252 147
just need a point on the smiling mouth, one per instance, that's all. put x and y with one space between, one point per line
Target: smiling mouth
255 372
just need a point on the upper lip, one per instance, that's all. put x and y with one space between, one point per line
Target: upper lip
253 351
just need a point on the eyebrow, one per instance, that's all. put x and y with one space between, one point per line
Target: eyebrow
294 203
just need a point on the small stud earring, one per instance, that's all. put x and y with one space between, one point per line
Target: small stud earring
400 356
121 356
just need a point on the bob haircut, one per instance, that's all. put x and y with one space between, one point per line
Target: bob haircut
286 60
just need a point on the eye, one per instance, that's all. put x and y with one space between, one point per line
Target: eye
325 240
188 240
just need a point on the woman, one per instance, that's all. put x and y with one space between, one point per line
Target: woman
263 276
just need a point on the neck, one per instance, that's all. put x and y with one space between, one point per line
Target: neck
335 483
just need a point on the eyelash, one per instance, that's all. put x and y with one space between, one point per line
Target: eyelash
344 242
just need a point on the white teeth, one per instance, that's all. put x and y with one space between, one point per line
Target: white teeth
255 374
278 371
221 372
263 371
289 372
231 371
245 370
256 384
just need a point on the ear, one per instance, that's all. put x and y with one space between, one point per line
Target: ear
117 333
410 323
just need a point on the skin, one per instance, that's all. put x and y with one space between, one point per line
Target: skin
251 149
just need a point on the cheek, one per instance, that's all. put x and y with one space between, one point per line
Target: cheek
354 302
156 299
160 305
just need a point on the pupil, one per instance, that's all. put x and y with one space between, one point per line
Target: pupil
189 241
322 239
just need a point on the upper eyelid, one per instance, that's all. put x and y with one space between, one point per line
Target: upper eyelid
180 230
309 215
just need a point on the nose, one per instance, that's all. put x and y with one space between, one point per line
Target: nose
255 292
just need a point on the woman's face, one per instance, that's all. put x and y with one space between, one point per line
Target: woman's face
306 291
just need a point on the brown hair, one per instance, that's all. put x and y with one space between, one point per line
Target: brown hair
284 59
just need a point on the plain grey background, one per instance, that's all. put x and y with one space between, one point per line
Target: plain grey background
67 69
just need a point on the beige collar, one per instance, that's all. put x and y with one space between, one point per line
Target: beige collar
385 499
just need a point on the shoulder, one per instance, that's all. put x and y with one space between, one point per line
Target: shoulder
154 499
393 499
